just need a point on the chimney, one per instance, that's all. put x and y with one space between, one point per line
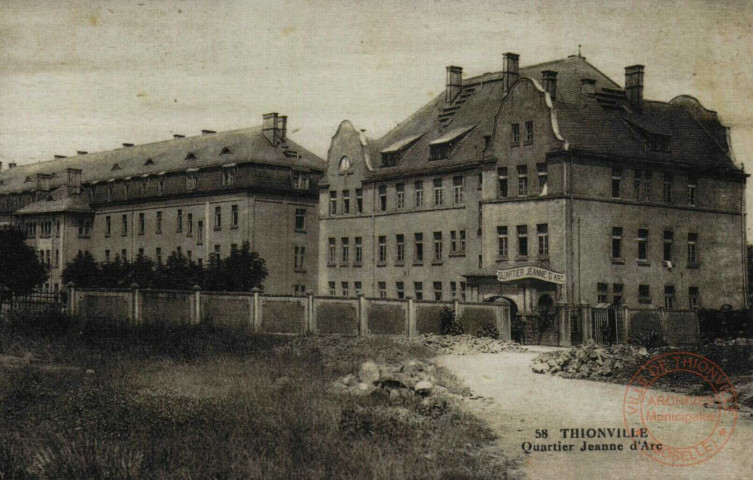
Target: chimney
81 152
509 70
208 132
12 165
453 84
634 86
587 86
127 145
282 128
269 127
178 135
549 78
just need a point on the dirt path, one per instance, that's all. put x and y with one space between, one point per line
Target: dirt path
519 402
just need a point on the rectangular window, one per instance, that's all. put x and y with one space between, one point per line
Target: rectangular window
522 180
515 130
502 182
458 190
233 216
418 192
437 246
300 219
693 297
333 203
382 249
332 257
124 255
644 294
57 258
647 193
108 226
529 131
453 290
462 241
692 184
643 244
345 249
218 218
346 202
344 286
382 289
179 221
358 288
190 224
300 180
542 233
522 240
616 182
217 252
438 291
480 182
300 253
617 289
158 255
200 238
462 291
142 223
400 289
438 192
667 192
602 292
418 252
332 289
418 290
669 297
359 250
616 242
107 255
637 180
692 249
543 174
502 242
359 200
400 248
124 225
192 180
400 193
453 241
382 198
669 237
228 176
159 222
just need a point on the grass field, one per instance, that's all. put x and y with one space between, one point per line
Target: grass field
192 403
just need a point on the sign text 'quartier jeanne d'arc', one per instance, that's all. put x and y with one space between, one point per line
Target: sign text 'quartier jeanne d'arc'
520 273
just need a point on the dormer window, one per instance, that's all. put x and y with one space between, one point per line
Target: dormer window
27 180
190 156
228 175
226 151
192 180
300 180
144 185
391 155
148 162
443 147
115 166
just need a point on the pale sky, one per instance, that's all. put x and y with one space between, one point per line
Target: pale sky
90 75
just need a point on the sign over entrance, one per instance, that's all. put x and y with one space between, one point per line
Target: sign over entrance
520 273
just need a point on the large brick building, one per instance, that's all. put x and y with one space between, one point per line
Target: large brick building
543 185
201 195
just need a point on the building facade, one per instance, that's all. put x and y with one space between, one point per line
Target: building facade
200 196
546 185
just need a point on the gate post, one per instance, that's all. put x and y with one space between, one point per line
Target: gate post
197 304
135 311
411 317
363 317
257 310
565 339
311 323
71 299
587 321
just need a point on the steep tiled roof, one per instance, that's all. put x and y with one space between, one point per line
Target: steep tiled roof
244 145
71 204
696 138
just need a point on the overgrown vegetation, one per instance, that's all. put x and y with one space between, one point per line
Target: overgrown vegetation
104 400
241 271
448 324
21 271
488 329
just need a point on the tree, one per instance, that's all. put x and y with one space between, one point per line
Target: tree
244 270
178 273
141 272
21 271
83 271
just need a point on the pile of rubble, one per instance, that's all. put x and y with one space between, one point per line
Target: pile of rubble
464 344
406 379
591 361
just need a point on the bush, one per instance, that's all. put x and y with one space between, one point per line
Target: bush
447 323
487 329
646 331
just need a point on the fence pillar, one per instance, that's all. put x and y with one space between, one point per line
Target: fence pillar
564 325
363 315
587 321
311 320
412 330
456 309
257 310
197 304
71 299
135 313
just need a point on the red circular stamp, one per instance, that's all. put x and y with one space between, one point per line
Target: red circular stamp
681 430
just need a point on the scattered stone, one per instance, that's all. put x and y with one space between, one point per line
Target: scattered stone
423 387
407 379
591 360
462 344
369 372
89 371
